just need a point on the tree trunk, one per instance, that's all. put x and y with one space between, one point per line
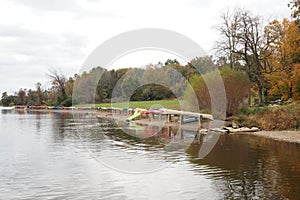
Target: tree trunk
249 95
290 95
260 95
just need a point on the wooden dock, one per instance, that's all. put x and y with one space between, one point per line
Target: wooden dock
185 114
168 116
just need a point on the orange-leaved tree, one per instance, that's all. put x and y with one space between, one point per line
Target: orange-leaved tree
284 55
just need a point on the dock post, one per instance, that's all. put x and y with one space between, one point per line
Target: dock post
169 118
200 121
181 134
181 119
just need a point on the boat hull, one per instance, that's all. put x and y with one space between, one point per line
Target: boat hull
7 108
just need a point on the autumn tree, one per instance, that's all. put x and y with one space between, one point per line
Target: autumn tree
203 64
8 100
85 86
284 49
171 61
39 92
4 96
21 97
236 87
295 6
32 98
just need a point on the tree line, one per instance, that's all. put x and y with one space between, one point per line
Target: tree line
259 63
270 54
98 84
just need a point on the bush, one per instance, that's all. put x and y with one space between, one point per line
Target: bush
272 118
253 110
12 104
236 87
67 102
198 86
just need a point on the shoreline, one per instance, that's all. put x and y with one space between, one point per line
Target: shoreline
283 136
292 136
57 111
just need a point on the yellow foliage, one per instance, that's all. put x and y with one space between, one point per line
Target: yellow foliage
296 78
284 48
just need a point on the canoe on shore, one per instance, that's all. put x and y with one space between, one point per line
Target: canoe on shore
6 108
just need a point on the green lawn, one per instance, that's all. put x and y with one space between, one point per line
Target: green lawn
170 104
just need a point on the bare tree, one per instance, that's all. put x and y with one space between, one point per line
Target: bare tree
58 81
228 43
243 41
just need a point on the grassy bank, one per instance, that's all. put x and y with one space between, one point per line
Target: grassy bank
283 117
170 104
269 118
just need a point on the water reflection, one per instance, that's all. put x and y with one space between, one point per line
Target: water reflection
249 167
167 137
243 166
47 154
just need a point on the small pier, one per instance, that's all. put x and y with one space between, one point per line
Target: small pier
162 115
185 116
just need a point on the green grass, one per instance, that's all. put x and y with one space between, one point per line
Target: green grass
170 104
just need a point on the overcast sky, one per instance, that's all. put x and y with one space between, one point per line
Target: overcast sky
38 35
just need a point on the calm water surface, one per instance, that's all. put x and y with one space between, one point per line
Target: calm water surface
59 156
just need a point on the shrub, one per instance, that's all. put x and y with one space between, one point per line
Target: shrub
272 118
67 102
236 87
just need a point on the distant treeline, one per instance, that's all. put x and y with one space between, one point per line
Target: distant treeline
258 63
99 84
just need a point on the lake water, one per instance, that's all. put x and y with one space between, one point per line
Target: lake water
61 156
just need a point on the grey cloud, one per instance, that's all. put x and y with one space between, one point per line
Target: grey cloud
27 57
200 3
21 77
32 43
50 5
12 31
71 6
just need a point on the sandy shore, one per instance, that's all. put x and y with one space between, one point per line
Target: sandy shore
286 136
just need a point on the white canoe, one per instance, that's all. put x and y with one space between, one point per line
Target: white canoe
6 108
